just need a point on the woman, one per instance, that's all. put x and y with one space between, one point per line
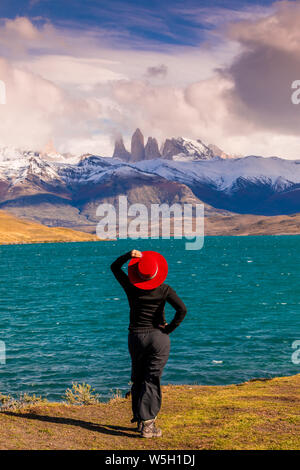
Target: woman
148 340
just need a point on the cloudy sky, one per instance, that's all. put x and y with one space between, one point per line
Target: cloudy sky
78 73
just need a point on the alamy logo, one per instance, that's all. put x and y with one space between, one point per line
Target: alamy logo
296 354
295 96
2 92
162 221
2 353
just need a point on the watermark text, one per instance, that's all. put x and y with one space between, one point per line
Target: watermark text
159 221
2 353
2 92
296 353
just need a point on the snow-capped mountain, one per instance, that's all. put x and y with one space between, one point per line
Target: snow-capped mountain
183 149
252 184
13 158
59 190
224 174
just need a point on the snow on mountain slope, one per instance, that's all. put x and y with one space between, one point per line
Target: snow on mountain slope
28 166
18 166
183 149
223 174
14 157
95 170
15 162
252 185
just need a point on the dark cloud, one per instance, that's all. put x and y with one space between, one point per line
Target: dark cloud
160 71
263 73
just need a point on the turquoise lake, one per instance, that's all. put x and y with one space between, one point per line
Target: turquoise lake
64 318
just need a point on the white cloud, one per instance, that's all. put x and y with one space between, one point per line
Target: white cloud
37 110
78 90
65 70
61 87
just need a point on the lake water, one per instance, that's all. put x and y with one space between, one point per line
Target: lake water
64 318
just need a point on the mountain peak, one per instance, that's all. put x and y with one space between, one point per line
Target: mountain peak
120 150
151 149
181 148
137 146
220 153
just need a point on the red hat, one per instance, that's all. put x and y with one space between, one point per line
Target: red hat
149 271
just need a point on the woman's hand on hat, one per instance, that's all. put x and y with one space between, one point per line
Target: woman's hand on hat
136 254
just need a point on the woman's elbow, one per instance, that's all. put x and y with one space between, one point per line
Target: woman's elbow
183 311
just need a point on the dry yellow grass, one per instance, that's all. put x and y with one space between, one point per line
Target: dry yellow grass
14 231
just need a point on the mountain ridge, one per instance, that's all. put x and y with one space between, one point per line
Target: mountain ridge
180 148
67 191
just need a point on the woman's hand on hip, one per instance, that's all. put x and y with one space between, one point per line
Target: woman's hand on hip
163 327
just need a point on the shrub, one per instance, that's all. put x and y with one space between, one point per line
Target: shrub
10 403
116 395
81 394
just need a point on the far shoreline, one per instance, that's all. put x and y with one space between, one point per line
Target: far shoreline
18 231
38 242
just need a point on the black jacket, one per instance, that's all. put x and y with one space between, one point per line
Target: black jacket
147 306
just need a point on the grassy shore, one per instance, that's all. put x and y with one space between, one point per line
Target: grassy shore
260 414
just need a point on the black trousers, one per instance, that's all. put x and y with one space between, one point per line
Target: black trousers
149 353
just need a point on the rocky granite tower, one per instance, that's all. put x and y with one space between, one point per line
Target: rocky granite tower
120 150
137 146
151 149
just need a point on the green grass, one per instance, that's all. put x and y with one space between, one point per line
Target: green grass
254 415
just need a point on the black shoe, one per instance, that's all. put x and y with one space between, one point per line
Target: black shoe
139 424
